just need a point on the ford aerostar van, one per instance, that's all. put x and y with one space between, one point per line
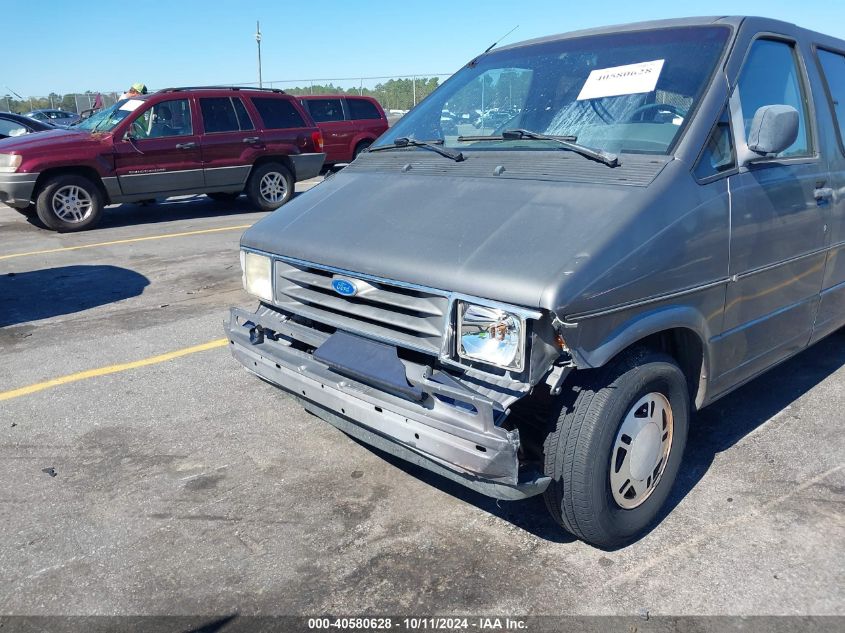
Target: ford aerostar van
631 222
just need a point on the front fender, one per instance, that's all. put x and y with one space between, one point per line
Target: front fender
600 338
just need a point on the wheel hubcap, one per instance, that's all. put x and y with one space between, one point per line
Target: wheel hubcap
641 450
272 187
72 204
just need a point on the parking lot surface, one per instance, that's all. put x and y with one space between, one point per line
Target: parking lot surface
143 471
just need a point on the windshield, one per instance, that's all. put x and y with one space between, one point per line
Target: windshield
108 119
622 92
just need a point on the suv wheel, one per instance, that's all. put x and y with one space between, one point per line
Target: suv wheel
269 186
615 448
69 203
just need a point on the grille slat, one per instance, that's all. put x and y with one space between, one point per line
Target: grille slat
410 317
377 296
369 313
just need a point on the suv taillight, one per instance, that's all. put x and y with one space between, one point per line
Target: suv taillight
317 137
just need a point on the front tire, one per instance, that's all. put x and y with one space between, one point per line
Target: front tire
615 448
269 186
69 203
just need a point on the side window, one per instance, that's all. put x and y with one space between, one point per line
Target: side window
362 109
718 154
771 77
325 109
218 115
833 71
167 118
277 113
243 116
11 128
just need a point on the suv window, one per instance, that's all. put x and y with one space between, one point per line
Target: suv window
770 77
277 113
221 114
325 109
244 120
718 154
833 71
362 109
166 118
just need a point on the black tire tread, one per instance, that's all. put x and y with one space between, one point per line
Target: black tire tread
564 451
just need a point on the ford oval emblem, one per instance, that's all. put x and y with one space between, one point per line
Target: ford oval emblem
345 287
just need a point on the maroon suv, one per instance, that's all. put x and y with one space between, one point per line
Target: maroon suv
349 124
217 141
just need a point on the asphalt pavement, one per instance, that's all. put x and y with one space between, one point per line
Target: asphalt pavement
143 471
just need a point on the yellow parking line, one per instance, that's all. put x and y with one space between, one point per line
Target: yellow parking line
127 241
111 369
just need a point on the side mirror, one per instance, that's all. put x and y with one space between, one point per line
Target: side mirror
773 129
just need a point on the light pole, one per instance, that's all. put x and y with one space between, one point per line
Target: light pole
258 41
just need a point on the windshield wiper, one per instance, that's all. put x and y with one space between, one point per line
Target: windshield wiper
410 142
609 159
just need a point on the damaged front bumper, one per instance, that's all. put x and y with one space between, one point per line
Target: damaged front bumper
438 423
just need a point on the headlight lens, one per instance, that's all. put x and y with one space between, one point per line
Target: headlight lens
490 335
257 275
9 163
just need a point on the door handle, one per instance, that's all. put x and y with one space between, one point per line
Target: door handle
823 194
190 145
252 139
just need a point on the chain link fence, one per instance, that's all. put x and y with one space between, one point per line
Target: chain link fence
74 102
397 93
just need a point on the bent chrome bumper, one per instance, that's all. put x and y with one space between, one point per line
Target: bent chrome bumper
450 430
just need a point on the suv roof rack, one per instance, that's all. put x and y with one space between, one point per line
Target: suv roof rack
183 88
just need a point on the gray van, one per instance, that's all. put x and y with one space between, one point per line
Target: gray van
632 222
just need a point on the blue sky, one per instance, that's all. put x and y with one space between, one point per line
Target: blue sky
110 45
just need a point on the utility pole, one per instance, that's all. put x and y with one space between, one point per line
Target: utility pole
258 41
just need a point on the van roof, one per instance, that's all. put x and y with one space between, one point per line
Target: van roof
763 24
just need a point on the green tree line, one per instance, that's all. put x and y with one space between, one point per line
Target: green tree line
394 94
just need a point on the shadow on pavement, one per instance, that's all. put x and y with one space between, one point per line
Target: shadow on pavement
713 430
720 426
49 292
530 515
215 625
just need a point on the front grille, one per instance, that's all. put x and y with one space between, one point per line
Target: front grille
409 317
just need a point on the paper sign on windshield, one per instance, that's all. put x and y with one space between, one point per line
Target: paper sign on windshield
131 105
622 80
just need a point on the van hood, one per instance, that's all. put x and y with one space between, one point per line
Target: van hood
517 240
48 139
